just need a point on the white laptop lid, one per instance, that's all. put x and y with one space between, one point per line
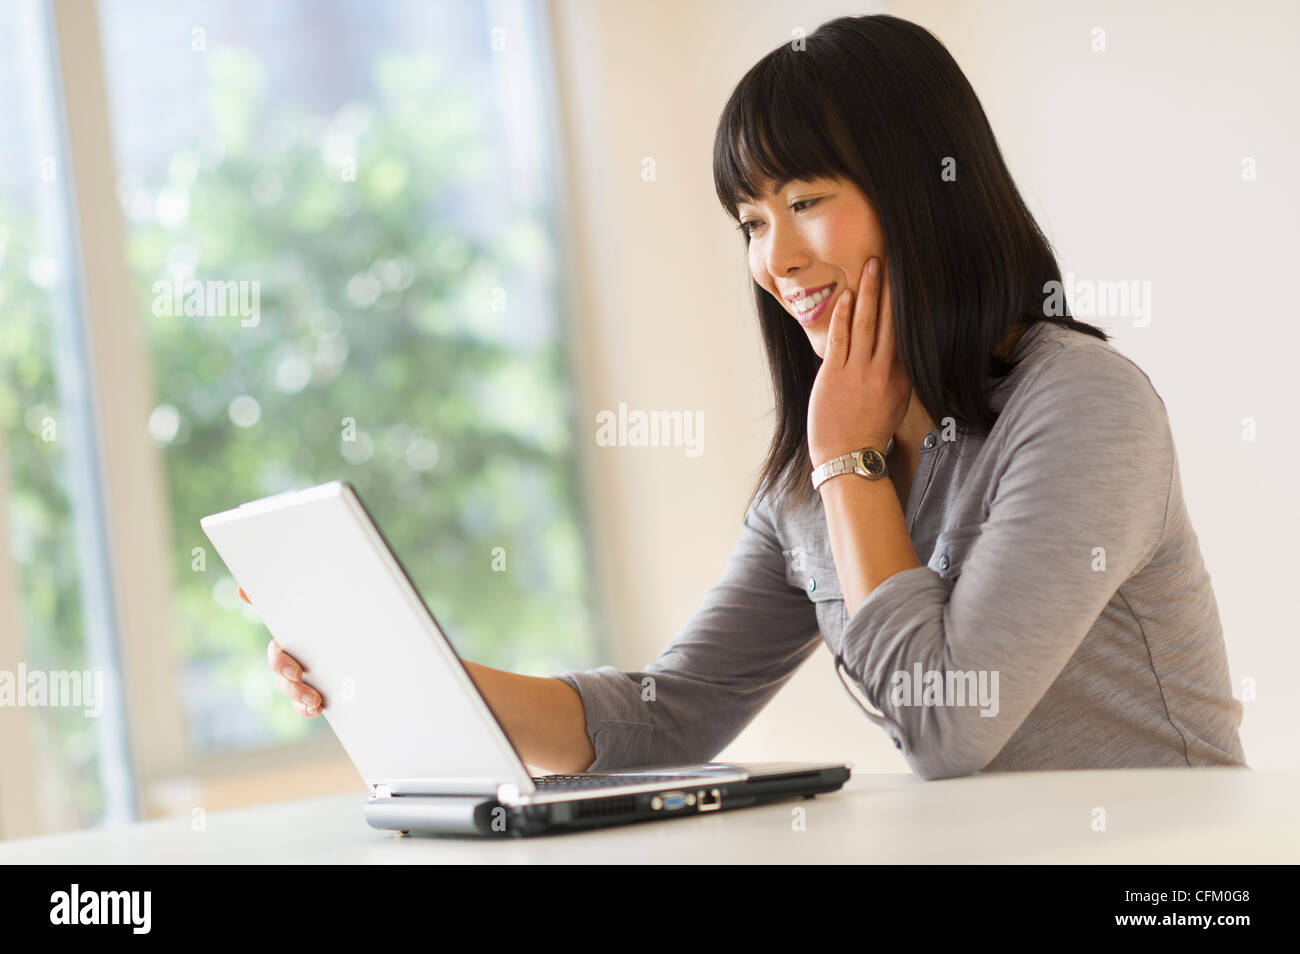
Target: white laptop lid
335 598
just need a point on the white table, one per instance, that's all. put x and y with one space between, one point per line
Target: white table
1158 816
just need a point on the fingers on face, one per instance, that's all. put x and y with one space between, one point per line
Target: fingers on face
868 291
837 334
885 324
843 313
864 314
879 318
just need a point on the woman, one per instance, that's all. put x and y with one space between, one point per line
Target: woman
1006 571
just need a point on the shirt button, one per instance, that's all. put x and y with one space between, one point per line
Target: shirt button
943 562
812 584
928 442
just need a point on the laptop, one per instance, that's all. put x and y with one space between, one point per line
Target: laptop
334 595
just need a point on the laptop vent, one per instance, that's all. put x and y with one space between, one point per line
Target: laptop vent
596 807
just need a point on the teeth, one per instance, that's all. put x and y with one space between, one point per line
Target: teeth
804 305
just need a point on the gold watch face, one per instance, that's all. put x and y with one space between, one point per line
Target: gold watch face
872 462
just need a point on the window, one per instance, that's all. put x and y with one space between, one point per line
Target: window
55 588
340 231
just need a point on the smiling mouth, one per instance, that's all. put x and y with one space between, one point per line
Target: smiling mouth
808 310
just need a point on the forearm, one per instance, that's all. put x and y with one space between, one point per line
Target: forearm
868 534
543 718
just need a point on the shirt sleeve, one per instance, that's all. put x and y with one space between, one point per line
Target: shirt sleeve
1078 506
746 639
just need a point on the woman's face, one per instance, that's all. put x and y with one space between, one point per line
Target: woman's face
809 236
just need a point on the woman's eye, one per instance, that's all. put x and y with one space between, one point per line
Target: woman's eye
748 227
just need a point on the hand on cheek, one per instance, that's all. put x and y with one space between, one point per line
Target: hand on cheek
862 391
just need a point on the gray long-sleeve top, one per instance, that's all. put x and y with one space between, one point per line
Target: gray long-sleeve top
1062 591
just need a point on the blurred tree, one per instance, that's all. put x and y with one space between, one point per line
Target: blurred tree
377 357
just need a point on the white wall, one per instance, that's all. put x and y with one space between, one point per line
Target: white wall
1130 158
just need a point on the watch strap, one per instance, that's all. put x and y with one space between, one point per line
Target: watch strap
867 462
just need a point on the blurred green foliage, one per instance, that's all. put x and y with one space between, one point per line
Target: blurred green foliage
375 307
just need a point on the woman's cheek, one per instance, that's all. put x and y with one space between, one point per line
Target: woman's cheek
839 239
759 273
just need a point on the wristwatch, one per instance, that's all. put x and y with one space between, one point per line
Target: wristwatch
868 462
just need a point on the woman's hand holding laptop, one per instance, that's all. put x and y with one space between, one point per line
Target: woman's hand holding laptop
542 716
288 676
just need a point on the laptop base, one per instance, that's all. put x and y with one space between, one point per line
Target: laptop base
486 817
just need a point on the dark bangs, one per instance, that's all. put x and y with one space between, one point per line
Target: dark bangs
777 126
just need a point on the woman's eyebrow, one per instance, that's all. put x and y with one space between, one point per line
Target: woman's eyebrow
776 190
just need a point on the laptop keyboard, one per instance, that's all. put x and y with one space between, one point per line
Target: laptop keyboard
553 782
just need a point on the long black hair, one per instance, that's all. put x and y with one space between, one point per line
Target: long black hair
879 101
